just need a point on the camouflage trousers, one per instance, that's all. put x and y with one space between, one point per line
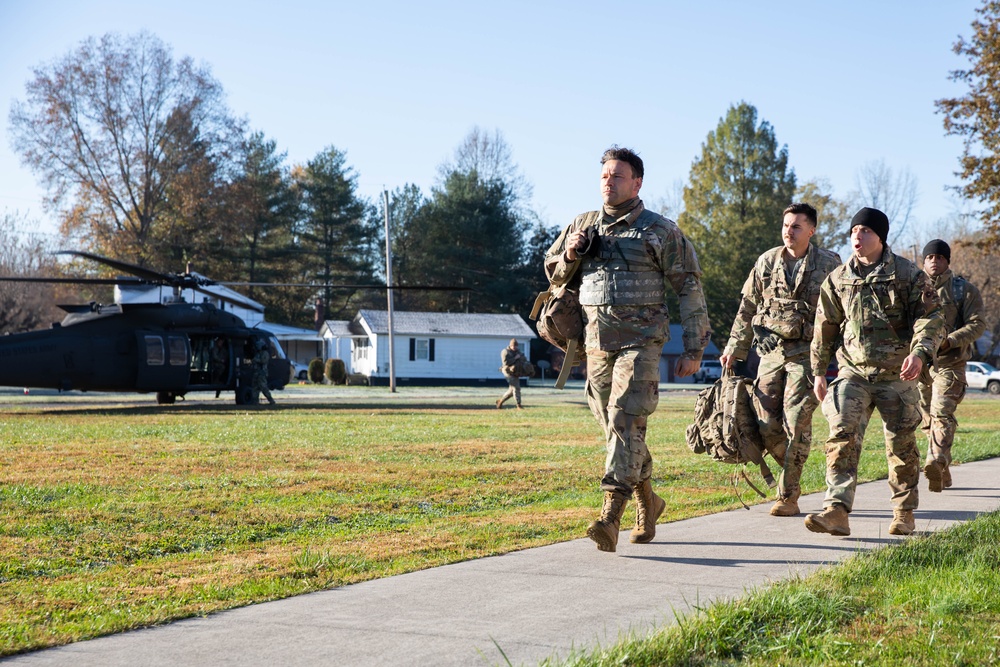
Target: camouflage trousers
941 390
784 402
260 386
513 389
848 406
622 391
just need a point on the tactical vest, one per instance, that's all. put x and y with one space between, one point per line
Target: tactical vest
622 273
886 298
789 317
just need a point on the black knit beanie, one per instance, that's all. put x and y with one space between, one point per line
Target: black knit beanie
938 247
873 219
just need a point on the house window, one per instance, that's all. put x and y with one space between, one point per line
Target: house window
421 349
154 351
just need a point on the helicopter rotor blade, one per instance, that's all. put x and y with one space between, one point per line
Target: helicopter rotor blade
125 267
75 281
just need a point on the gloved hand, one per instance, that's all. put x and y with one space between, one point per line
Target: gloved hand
766 340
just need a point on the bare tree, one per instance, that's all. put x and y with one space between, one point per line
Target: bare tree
981 266
491 157
25 306
893 193
671 203
101 127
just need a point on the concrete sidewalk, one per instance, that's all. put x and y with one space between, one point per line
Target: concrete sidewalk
534 603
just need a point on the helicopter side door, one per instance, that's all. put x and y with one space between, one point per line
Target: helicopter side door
164 361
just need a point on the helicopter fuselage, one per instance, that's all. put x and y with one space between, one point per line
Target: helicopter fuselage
170 349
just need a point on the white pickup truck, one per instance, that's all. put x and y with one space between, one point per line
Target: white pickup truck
981 375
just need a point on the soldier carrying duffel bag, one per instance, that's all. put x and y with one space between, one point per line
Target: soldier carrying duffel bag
725 427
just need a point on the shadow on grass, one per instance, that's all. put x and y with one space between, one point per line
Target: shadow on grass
201 408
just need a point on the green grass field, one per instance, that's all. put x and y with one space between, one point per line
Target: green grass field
117 513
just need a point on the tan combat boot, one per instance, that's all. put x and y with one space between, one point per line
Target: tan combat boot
946 477
605 530
902 522
932 471
648 508
786 506
832 520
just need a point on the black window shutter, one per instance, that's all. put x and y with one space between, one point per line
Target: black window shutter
430 350
413 349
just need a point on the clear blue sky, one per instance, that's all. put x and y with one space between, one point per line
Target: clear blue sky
397 85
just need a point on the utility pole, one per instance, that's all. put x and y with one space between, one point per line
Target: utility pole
388 292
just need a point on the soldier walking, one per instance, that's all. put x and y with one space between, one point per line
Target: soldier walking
261 360
887 317
624 258
511 359
942 384
777 307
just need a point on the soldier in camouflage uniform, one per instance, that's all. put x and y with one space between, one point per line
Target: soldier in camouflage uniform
778 305
261 360
625 258
510 358
942 384
882 311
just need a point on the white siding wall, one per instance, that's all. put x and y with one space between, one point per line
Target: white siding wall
338 348
454 357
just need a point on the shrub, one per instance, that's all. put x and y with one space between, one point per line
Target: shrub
315 371
357 379
336 371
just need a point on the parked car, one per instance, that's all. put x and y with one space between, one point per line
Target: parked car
300 371
981 375
709 372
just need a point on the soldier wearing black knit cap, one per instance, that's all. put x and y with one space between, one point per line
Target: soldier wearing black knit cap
943 383
880 314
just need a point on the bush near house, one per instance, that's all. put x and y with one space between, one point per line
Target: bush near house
316 371
336 371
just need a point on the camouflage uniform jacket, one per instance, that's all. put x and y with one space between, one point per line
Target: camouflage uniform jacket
508 361
964 321
612 327
878 320
788 310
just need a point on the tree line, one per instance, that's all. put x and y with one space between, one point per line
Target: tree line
142 161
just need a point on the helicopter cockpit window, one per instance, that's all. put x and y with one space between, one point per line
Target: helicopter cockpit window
178 350
154 351
274 347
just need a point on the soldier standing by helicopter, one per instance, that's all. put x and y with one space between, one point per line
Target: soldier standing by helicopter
261 359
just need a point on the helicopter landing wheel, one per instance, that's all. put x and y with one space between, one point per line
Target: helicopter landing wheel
166 397
244 395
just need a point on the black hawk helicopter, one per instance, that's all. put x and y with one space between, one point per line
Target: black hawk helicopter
170 348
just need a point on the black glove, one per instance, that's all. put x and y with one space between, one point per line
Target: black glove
591 244
766 340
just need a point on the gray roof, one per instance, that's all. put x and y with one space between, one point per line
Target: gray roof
341 329
447 324
285 332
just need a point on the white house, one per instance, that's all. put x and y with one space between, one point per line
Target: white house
339 339
435 348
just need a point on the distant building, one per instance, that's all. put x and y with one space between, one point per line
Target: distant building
673 349
431 348
339 339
